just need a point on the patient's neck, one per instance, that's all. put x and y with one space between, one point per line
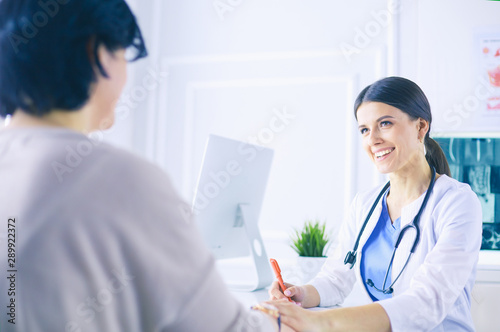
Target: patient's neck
74 120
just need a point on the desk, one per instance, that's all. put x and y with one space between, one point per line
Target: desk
486 292
250 298
240 269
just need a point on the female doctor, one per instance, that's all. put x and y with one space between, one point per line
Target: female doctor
411 244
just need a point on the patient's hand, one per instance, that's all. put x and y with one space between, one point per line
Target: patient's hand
295 318
286 328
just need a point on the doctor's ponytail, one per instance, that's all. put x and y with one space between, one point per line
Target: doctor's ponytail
406 96
435 156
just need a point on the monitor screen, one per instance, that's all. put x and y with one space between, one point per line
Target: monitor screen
229 196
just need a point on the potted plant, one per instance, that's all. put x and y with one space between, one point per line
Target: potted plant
311 243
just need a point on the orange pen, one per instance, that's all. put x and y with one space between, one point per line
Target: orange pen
277 273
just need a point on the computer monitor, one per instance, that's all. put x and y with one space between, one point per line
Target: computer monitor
228 200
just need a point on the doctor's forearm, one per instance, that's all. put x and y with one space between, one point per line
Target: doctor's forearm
371 317
311 298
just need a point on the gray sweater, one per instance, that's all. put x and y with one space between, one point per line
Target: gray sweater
102 243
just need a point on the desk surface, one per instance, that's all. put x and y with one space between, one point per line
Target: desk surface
289 272
250 298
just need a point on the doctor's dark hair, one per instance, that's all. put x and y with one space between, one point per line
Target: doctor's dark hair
48 50
408 97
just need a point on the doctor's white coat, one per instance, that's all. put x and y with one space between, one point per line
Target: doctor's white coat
434 290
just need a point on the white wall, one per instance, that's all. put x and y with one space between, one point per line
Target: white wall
229 72
439 51
229 76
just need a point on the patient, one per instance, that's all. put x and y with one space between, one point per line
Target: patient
100 240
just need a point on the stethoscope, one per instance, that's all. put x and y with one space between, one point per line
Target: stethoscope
350 258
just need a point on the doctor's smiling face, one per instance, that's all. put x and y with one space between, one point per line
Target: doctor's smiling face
391 138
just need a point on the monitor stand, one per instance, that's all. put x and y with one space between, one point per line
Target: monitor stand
258 252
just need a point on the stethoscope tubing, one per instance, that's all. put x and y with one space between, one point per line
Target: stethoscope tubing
351 255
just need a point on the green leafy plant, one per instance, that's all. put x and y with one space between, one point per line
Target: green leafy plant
312 240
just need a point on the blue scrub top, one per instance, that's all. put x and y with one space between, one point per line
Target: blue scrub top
377 252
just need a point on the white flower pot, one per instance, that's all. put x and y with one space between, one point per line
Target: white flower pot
309 267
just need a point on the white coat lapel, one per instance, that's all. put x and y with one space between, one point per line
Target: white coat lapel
370 226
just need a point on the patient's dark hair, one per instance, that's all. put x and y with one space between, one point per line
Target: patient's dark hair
408 97
48 48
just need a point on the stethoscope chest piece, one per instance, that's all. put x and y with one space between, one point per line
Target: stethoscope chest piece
350 258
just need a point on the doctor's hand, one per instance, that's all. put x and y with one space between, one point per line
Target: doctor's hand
296 293
305 296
